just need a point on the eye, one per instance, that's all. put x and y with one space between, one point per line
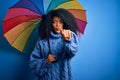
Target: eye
54 21
61 21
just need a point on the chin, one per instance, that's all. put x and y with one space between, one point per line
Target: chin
57 31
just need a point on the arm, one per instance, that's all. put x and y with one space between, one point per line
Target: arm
71 46
37 62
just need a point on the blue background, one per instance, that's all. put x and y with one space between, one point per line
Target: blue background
99 52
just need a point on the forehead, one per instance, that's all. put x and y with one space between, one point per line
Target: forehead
56 18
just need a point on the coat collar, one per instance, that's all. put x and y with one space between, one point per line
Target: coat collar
55 35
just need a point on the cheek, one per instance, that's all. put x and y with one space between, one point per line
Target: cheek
61 26
53 24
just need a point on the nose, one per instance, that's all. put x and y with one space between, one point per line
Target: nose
58 23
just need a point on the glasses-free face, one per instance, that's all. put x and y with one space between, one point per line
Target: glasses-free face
57 24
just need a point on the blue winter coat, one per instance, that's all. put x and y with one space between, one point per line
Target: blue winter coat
62 50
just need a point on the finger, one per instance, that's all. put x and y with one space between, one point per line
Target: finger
51 57
66 34
63 38
63 34
69 32
61 31
48 61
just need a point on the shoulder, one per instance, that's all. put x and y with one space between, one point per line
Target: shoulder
40 41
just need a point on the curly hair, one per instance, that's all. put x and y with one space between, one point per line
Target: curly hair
46 23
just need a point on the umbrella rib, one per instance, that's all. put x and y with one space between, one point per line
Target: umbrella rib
55 6
27 9
36 7
49 6
77 9
81 20
22 15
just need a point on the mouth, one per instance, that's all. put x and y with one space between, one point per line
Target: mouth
57 30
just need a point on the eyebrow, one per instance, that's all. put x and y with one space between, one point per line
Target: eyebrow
57 20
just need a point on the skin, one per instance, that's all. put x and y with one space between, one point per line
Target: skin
58 28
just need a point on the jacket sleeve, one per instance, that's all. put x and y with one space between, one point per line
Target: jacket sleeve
37 63
71 46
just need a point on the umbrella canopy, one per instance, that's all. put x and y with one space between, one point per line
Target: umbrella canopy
20 24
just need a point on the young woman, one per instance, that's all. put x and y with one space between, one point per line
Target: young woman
58 43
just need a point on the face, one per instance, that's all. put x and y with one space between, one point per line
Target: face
57 24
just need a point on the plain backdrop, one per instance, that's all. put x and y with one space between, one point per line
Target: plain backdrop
98 57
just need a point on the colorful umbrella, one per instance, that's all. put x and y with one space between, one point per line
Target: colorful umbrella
21 22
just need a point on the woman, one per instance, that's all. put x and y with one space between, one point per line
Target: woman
58 43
